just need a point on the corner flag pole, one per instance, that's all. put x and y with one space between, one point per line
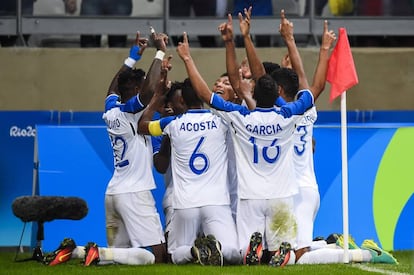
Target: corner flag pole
344 155
342 76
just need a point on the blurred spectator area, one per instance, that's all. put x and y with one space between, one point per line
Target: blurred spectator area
383 23
140 8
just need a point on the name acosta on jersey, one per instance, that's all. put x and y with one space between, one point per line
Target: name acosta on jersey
198 126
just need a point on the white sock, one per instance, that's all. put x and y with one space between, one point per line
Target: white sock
132 256
129 256
292 258
332 256
322 256
182 255
318 244
366 255
78 252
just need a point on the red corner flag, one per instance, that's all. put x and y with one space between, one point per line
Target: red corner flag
341 68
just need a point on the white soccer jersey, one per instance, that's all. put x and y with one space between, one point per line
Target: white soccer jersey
198 158
263 146
132 152
232 175
303 152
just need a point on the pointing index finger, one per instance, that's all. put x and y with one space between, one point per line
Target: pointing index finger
325 26
185 38
152 30
137 38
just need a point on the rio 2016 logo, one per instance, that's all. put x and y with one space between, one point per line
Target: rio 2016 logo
28 131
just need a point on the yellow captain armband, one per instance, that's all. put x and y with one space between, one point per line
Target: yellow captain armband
154 128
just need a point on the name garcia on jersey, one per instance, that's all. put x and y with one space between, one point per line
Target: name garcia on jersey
198 126
264 130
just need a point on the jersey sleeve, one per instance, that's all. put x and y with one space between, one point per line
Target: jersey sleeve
111 101
219 103
300 106
133 105
156 143
280 101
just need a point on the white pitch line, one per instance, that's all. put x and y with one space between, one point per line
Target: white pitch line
378 270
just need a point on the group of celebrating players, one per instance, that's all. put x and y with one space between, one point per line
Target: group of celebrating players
239 175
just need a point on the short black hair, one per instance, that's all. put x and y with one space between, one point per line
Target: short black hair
129 79
189 95
265 91
175 86
288 80
270 66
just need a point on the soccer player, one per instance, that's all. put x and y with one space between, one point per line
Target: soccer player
306 202
132 219
174 105
200 196
223 88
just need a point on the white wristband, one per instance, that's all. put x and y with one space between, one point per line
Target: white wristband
130 62
159 55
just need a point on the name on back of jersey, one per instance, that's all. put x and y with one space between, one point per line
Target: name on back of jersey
113 124
308 119
198 126
264 130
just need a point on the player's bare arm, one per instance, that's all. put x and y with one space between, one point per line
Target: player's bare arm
245 68
160 41
198 83
156 102
245 92
285 63
135 53
319 78
286 31
226 30
255 63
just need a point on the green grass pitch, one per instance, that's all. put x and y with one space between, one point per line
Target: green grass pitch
8 265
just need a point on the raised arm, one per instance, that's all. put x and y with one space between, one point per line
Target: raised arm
198 83
226 30
256 66
154 73
319 78
286 31
245 91
135 54
244 67
155 103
